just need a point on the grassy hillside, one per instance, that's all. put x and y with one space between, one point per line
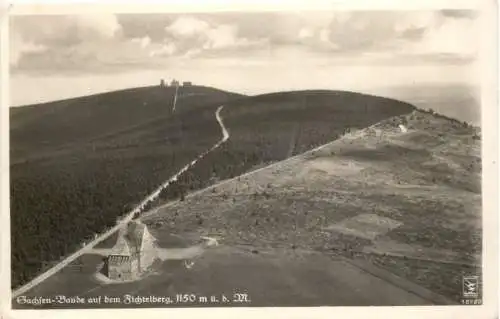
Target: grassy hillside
271 127
409 202
78 164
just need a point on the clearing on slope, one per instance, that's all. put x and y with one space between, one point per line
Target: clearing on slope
391 209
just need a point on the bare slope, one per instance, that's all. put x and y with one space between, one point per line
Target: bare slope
407 201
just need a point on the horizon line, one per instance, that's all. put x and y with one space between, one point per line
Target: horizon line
357 90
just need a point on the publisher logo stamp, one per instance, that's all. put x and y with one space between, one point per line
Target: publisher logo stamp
470 286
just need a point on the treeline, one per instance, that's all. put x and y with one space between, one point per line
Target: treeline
455 123
445 117
270 128
70 194
55 207
79 191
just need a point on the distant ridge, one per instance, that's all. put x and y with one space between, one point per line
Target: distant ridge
38 127
113 92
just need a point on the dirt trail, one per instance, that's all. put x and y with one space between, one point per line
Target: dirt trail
175 99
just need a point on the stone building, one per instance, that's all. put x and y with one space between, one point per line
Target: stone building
133 253
174 83
119 267
162 83
187 83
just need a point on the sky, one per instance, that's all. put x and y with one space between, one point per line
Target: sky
56 57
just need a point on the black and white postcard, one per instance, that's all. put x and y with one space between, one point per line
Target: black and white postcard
199 159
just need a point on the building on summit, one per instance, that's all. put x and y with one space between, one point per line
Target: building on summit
187 83
174 83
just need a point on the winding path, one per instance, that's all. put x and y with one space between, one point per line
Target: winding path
123 221
175 98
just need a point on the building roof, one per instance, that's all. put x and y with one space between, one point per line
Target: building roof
116 260
130 239
135 236
121 247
